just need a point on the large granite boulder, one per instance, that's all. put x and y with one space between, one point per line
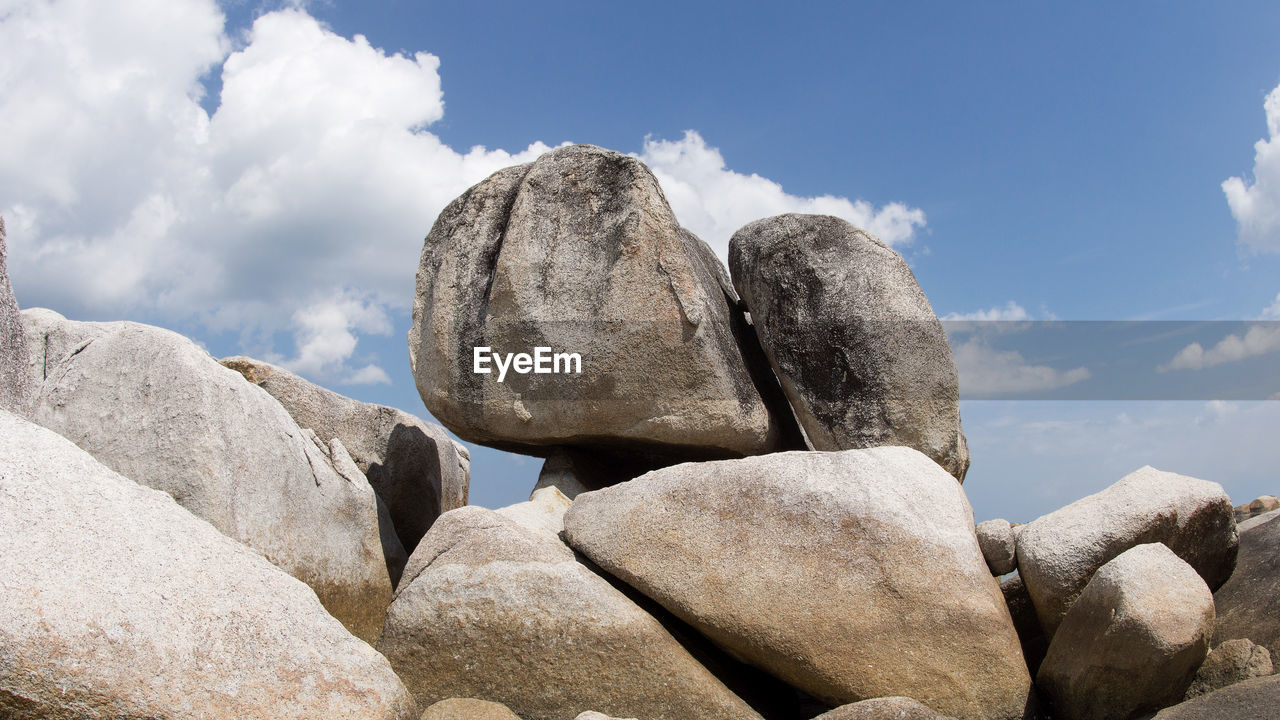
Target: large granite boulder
1255 699
14 380
851 337
1132 641
1231 662
1059 552
1249 603
491 610
154 407
414 466
578 252
117 603
819 568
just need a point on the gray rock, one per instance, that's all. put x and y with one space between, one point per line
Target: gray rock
574 471
996 539
1231 662
1249 603
1059 552
489 609
1258 506
1255 699
1132 641
118 603
468 709
850 336
414 466
543 512
154 407
768 557
15 387
889 708
579 252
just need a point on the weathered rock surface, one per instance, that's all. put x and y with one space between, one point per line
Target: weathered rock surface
1030 634
573 471
1258 506
118 603
1231 662
592 715
414 466
1132 641
770 556
580 253
1255 699
1249 603
888 708
468 709
154 407
543 512
996 539
1059 552
850 336
489 609
14 383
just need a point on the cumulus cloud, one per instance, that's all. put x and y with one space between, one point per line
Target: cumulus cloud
1258 340
325 335
713 201
986 371
1256 204
1272 311
1011 312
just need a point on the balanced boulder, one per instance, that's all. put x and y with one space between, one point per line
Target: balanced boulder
1133 639
491 610
1249 603
414 466
154 407
819 568
1059 552
579 254
118 603
14 380
851 337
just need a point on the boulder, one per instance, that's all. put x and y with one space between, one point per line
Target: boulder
819 568
1255 699
1258 506
1030 635
14 383
889 708
996 539
851 337
414 466
491 610
154 407
1249 603
542 512
1059 552
118 603
578 252
1132 641
468 709
1231 662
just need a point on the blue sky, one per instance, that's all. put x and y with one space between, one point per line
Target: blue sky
264 188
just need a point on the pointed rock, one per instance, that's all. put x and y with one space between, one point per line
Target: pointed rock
15 386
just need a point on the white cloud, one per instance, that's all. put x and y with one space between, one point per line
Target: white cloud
1272 311
986 371
325 334
714 202
1258 340
1256 205
1012 311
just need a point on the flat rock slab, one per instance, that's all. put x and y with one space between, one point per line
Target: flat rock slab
1132 641
489 609
852 338
1249 603
156 408
1059 552
146 611
819 568
579 252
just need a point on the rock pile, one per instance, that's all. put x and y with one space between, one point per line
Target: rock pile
728 522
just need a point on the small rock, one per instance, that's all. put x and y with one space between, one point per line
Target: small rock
996 539
1231 662
1059 552
543 512
593 715
1132 641
1249 603
1255 699
468 709
889 708
1259 505
851 337
574 471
